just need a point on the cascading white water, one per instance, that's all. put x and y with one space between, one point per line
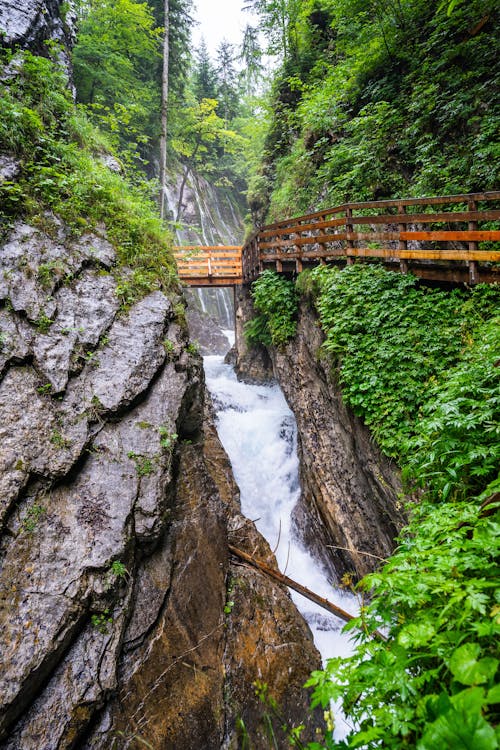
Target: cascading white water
213 218
259 434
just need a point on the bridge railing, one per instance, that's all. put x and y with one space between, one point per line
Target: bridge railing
209 265
454 238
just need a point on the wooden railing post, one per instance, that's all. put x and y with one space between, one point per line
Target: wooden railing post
402 244
473 246
349 228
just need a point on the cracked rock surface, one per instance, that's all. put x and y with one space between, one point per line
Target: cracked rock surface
117 504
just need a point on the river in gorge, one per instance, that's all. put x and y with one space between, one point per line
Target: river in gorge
259 434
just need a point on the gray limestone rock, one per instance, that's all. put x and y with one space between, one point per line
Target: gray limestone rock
16 338
125 365
9 168
28 23
35 435
34 263
84 312
57 566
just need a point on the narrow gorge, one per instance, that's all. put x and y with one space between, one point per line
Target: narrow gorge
169 453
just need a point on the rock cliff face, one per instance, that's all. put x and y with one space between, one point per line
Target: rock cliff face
28 24
349 509
116 515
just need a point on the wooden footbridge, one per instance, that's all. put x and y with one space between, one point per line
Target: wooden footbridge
448 238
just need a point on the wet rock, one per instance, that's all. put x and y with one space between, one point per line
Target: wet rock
35 436
77 689
28 23
16 338
57 565
206 332
34 263
84 313
188 666
9 168
267 640
95 247
127 362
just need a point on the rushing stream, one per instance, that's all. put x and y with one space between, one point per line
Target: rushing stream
259 434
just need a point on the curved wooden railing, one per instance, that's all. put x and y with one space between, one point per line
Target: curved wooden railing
218 265
459 242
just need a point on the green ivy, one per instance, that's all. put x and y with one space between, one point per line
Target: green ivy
276 301
392 341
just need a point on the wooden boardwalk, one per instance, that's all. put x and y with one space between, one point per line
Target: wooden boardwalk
447 238
209 265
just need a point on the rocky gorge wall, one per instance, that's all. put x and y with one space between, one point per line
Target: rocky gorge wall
117 504
117 507
349 511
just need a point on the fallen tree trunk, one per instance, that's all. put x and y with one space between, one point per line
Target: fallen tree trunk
277 576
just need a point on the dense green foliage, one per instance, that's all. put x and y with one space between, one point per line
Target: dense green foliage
375 100
275 300
433 685
421 367
115 64
118 70
61 173
394 342
118 67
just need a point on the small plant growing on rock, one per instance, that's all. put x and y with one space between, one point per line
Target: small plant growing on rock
167 438
168 346
228 607
118 569
44 390
46 271
59 440
32 517
102 621
117 572
43 323
193 347
143 465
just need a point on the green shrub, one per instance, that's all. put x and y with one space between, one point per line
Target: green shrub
433 685
275 300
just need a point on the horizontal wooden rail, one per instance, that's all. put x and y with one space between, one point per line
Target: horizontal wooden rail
218 265
455 237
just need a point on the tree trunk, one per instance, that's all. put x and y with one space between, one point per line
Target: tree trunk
164 109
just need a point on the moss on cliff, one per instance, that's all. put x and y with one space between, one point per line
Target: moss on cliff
61 169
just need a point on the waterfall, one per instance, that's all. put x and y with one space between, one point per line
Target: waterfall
259 434
211 216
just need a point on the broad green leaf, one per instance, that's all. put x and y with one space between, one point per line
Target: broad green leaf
467 669
415 635
462 727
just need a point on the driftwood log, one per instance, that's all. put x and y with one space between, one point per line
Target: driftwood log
277 576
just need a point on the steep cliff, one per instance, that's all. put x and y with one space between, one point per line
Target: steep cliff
349 510
117 501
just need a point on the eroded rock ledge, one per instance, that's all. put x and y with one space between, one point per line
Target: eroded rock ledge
117 507
349 510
